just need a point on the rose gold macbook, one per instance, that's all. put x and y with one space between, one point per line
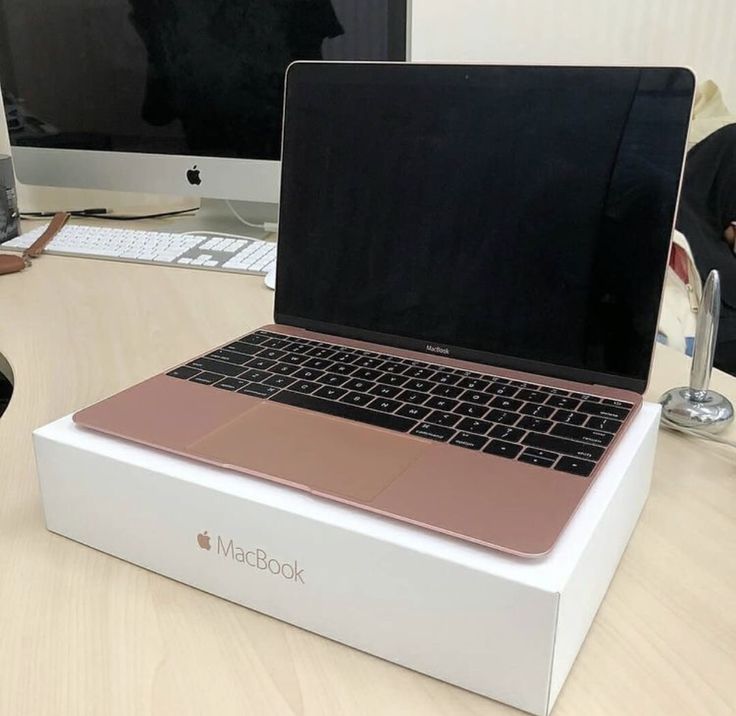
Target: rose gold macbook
470 266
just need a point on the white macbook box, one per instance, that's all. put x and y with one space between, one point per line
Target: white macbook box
504 627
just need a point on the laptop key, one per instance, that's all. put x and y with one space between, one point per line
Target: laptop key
243 348
318 352
469 441
563 446
600 410
304 386
439 403
422 385
392 367
504 417
385 391
471 410
412 396
272 354
344 410
475 397
606 424
295 359
333 379
538 424
256 376
445 378
544 454
537 410
280 381
561 401
440 418
284 369
384 404
571 418
413 411
360 385
183 372
233 357
474 384
575 466
343 357
419 372
536 460
343 369
433 432
255 339
231 384
501 447
507 391
471 425
367 374
309 374
357 398
216 366
505 432
447 391
261 364
392 379
369 362
532 396
583 435
331 393
318 363
505 403
259 390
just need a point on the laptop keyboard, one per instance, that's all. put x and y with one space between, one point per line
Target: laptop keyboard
522 421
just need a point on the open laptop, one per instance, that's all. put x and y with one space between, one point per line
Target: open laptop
470 266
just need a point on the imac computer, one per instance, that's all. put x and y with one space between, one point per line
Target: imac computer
176 97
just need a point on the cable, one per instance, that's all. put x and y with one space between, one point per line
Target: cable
103 214
696 434
242 220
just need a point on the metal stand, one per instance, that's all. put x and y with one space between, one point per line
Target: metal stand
695 407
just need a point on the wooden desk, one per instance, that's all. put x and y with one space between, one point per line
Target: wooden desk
82 632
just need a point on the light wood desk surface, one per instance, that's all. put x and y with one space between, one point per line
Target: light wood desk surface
84 633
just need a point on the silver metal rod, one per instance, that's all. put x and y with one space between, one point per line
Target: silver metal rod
705 338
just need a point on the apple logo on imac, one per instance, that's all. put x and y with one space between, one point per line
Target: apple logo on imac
193 176
203 540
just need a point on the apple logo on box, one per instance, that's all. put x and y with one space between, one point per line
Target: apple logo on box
193 176
203 540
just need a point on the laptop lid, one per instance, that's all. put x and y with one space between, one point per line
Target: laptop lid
513 216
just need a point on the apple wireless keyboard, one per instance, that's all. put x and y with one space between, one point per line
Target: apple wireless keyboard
203 250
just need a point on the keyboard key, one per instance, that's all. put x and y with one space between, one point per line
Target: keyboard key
535 460
505 432
420 373
499 447
447 391
320 352
413 411
544 454
537 410
279 381
331 393
583 435
440 418
610 426
471 410
231 384
532 396
319 363
563 446
617 403
367 374
344 410
575 466
384 404
216 366
272 354
469 440
506 390
439 403
279 343
362 386
470 425
421 385
555 391
294 359
561 401
343 357
344 369
257 376
504 417
260 364
234 357
571 418
603 411
505 403
304 386
474 384
206 378
475 397
369 362
299 347
433 432
255 339
385 391
392 379
392 367
284 369
538 424
412 396
445 378
259 390
183 372
309 374
244 348
357 398
333 379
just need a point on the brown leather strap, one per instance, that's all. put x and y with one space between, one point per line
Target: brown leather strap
54 227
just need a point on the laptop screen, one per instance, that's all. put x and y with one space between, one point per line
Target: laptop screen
516 216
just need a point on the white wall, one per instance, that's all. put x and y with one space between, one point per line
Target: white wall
698 33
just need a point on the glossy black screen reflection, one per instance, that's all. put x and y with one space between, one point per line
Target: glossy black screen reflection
524 213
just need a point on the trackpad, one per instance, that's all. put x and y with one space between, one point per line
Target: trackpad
325 454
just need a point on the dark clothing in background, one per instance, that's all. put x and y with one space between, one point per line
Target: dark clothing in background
707 206
218 66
